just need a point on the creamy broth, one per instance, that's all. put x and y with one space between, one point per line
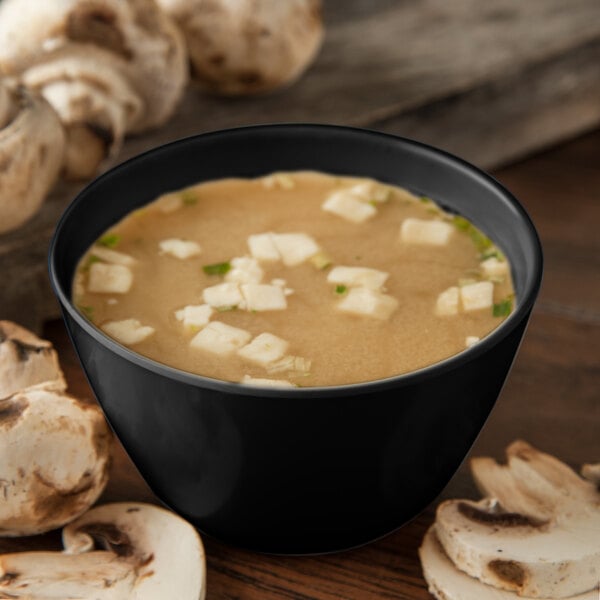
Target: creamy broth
412 325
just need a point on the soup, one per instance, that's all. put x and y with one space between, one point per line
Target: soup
294 279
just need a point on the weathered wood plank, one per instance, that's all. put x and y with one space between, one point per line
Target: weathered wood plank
488 81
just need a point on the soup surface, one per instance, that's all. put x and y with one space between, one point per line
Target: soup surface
303 279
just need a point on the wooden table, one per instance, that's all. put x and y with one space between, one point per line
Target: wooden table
551 399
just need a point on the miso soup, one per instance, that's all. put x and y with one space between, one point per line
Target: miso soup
294 279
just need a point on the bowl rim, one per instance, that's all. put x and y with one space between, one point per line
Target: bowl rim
450 363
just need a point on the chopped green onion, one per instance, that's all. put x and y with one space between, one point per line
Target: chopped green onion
492 253
189 197
92 258
320 260
226 308
341 289
426 199
217 268
466 281
482 242
503 308
110 240
461 223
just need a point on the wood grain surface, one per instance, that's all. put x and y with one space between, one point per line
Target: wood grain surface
551 399
489 81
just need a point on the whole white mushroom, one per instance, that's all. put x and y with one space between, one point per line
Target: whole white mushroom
31 153
248 46
54 448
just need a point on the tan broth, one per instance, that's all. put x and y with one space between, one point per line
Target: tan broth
339 348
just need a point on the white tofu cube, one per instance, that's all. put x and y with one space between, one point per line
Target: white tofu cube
295 248
260 297
369 191
109 279
297 364
169 203
223 295
447 302
346 205
421 231
128 332
471 340
492 267
264 349
244 270
194 316
271 383
262 247
368 303
220 338
112 256
358 277
181 249
476 296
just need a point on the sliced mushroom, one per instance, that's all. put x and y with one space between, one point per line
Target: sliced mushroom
446 582
108 67
248 46
538 532
31 151
26 360
146 553
94 101
55 453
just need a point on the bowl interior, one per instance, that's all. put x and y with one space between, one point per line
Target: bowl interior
259 150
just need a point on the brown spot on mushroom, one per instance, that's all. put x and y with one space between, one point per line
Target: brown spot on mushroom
96 25
217 60
11 410
5 163
500 519
250 78
23 349
8 578
132 510
109 536
509 571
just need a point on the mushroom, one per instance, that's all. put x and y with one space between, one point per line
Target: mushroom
108 67
26 361
55 456
248 46
55 449
146 553
447 582
536 534
31 151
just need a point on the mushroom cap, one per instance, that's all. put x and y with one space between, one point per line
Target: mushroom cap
538 532
447 582
55 456
31 153
148 553
248 46
26 360
145 45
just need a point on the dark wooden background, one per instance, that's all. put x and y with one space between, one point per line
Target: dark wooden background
519 76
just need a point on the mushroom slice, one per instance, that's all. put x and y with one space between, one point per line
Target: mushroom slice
95 103
31 153
146 553
592 473
446 582
26 360
541 520
55 453
248 46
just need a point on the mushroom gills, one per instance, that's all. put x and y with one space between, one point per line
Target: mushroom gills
146 553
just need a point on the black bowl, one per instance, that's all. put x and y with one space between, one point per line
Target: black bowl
302 470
